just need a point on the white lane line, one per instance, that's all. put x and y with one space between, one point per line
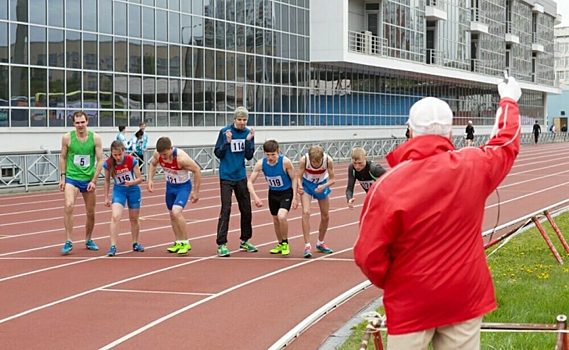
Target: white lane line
275 257
189 221
33 272
136 277
215 296
152 292
527 195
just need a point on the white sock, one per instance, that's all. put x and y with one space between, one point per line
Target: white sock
307 245
319 242
179 241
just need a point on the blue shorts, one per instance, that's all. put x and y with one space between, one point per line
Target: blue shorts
178 194
81 185
127 194
310 187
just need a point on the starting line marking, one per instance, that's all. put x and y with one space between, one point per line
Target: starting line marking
153 292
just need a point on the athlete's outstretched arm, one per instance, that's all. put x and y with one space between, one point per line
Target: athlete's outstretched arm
152 171
251 181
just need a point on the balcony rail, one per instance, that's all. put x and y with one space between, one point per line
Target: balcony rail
537 39
433 3
511 29
435 57
476 15
479 66
365 42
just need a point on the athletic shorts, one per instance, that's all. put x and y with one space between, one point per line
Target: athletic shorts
178 194
81 185
309 188
130 195
279 200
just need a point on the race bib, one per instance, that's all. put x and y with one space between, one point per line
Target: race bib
314 178
121 179
238 145
275 181
173 178
82 161
366 185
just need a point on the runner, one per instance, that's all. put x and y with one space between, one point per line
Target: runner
363 170
281 178
177 166
124 169
79 150
317 173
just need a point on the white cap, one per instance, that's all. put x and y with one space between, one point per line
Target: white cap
431 116
470 122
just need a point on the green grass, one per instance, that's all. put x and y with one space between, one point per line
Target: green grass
531 287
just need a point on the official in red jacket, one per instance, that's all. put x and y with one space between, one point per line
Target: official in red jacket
421 227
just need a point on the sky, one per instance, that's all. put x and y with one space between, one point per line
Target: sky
563 9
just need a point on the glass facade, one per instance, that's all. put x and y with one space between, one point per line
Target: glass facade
404 28
169 62
521 61
454 35
492 45
341 96
190 63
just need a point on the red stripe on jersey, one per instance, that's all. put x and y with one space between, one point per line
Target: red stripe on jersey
315 172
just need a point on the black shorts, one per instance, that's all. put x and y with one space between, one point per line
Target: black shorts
279 200
470 137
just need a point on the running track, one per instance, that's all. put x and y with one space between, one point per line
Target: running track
156 300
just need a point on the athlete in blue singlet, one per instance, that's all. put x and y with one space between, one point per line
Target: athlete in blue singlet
124 170
281 178
177 165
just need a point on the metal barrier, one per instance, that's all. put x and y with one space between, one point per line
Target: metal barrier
34 169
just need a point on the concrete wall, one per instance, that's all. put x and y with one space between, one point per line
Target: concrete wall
328 30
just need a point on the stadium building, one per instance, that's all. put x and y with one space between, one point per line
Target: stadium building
305 69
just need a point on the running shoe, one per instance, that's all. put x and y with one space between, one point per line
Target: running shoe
186 247
91 245
223 251
277 249
308 252
137 247
175 247
67 247
323 248
285 249
247 247
112 251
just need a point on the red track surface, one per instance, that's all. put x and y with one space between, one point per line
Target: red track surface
156 300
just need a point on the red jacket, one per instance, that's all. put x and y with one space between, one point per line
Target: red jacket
421 227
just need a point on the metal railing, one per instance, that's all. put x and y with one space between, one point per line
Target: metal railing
435 57
367 43
36 169
476 15
511 29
